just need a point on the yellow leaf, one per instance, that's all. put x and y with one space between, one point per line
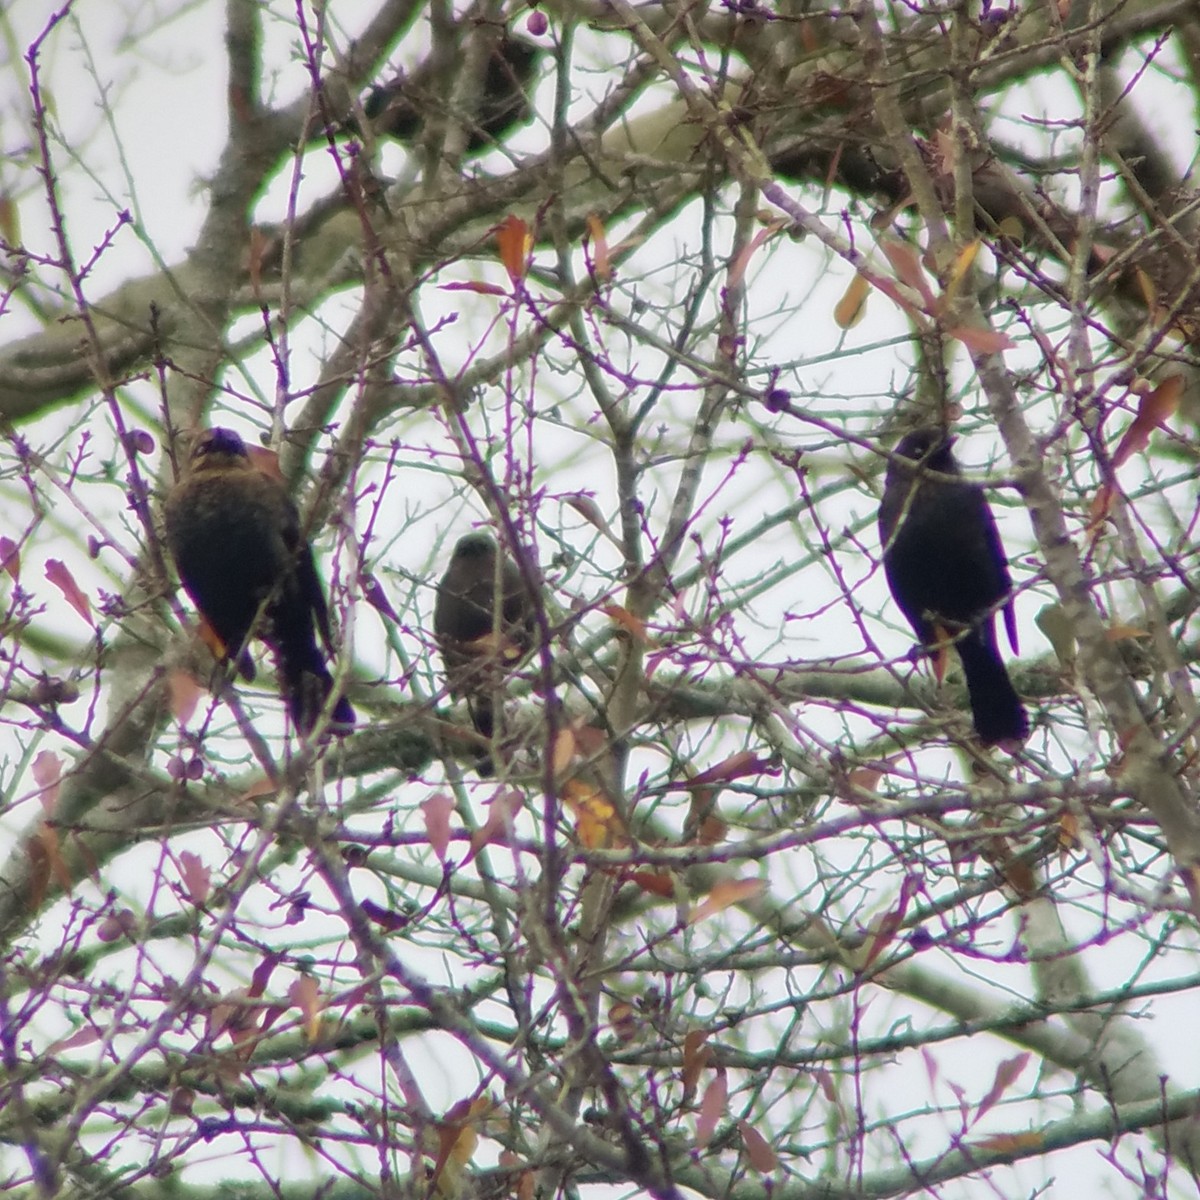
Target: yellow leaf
958 272
852 307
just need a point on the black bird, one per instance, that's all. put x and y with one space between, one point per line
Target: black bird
398 108
481 639
946 568
234 534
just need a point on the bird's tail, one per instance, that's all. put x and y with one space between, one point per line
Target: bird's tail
306 685
1000 717
483 717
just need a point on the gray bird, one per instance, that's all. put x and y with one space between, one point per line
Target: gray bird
481 636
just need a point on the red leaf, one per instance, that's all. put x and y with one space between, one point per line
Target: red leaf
514 242
57 573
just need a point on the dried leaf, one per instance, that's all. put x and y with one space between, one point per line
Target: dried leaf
737 269
696 1056
256 254
1153 410
963 262
1011 229
262 975
727 893
601 260
852 307
81 1037
10 559
562 753
1068 832
474 285
1011 1143
736 766
514 242
941 652
10 219
1053 621
885 927
61 577
758 1150
306 996
502 811
866 779
597 822
458 1138
436 811
265 460
1007 1074
982 341
628 622
589 510
907 265
120 924
260 787
47 774
1123 633
1101 508
196 877
712 1108
184 693
654 883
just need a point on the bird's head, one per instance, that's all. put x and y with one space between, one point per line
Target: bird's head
218 448
476 546
931 447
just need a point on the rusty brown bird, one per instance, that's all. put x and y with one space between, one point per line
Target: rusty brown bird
235 536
